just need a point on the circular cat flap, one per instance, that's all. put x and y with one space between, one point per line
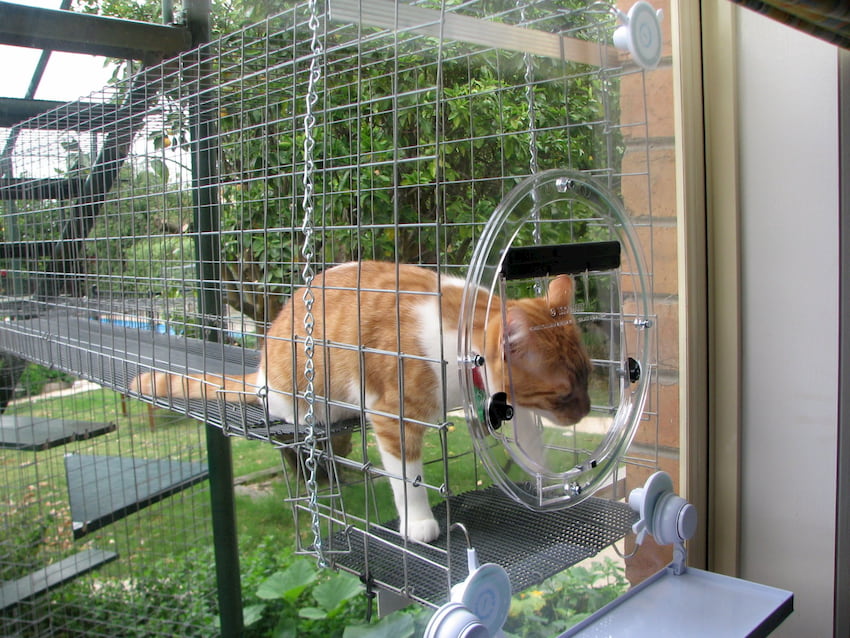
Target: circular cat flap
554 339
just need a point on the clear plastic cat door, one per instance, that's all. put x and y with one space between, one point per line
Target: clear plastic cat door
554 225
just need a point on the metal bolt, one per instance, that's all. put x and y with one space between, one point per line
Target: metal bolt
563 184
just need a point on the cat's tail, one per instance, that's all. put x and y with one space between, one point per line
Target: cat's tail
166 385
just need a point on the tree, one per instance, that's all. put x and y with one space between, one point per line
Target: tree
413 138
396 156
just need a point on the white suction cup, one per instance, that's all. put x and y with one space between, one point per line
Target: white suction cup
454 620
486 592
669 518
479 605
640 34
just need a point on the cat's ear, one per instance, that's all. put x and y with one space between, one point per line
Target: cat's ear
560 295
516 332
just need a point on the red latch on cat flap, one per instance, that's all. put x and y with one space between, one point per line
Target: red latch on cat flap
494 409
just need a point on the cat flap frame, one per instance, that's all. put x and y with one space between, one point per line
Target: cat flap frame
538 464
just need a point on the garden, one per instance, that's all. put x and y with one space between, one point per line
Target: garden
284 594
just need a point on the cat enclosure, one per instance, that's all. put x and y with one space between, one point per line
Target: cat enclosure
161 224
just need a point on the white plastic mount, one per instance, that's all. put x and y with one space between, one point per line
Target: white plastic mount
479 605
640 34
669 518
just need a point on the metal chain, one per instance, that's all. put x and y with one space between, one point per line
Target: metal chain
532 142
307 275
532 110
533 166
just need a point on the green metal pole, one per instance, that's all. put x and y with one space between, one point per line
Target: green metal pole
224 533
207 227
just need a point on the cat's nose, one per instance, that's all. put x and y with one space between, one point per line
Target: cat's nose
580 407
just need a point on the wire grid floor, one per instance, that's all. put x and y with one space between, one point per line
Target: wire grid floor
538 544
113 355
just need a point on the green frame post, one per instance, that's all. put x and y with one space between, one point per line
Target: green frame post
207 226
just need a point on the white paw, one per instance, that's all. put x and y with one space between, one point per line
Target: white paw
423 530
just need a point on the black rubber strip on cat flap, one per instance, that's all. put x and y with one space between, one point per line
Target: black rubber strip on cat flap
524 262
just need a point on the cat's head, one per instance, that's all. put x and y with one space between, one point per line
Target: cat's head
543 363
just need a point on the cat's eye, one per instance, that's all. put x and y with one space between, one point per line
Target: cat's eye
566 399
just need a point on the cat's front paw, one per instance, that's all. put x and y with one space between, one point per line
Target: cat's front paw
423 530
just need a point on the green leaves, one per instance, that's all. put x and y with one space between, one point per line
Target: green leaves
288 584
314 602
565 599
335 592
252 613
332 595
396 625
304 600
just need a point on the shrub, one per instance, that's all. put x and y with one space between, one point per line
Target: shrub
565 599
35 377
301 600
286 596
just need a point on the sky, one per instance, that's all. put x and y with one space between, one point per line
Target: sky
68 75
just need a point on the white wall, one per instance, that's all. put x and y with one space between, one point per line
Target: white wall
789 194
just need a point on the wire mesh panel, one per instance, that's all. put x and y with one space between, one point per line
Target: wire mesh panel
272 234
82 553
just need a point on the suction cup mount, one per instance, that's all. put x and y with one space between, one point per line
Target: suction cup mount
640 34
479 605
669 518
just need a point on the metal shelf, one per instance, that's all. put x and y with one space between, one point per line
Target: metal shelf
39 581
531 546
103 489
22 432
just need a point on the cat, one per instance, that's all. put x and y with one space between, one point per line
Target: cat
359 304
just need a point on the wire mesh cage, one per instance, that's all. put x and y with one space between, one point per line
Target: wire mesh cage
96 492
275 234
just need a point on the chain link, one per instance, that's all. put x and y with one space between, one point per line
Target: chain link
533 165
308 274
532 112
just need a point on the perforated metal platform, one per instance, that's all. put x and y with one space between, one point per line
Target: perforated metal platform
23 432
531 546
103 489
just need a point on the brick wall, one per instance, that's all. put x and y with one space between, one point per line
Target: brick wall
651 201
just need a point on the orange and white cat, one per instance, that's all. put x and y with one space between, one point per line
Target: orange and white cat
365 322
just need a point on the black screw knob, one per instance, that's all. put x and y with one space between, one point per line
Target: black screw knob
498 410
634 370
